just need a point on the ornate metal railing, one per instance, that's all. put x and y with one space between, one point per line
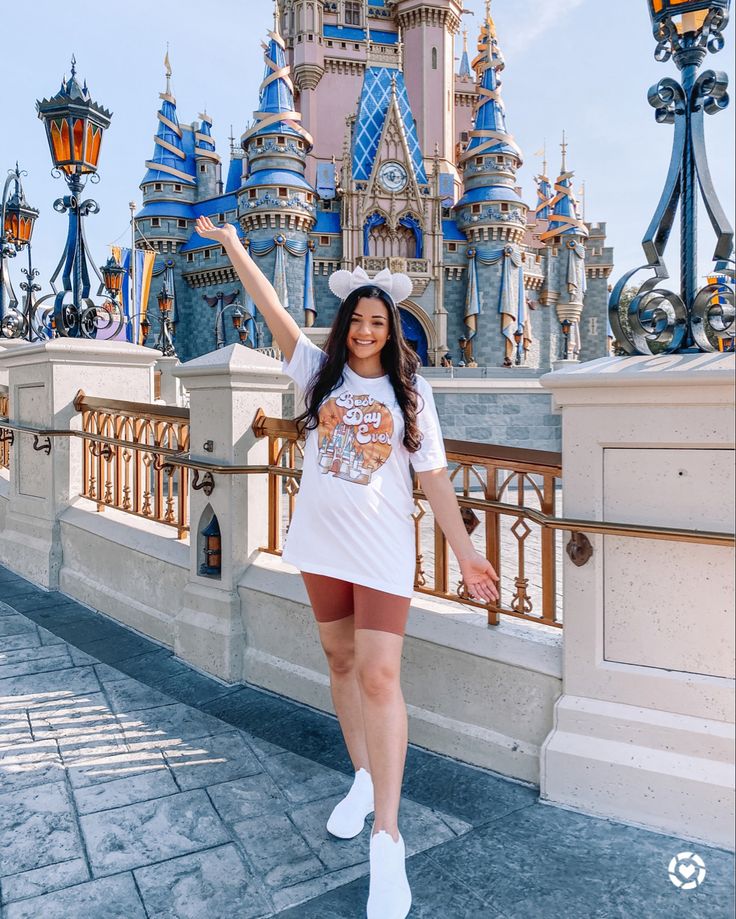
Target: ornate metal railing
494 485
129 459
5 434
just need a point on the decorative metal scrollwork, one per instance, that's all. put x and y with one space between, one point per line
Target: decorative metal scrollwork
659 320
106 451
7 436
206 484
42 447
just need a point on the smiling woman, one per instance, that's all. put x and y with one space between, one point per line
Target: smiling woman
369 419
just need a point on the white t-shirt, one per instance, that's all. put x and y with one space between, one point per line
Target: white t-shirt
353 515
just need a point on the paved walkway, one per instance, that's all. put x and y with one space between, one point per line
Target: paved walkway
132 787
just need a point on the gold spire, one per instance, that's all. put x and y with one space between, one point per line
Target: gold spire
489 20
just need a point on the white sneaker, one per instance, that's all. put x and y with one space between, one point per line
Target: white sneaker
348 818
389 895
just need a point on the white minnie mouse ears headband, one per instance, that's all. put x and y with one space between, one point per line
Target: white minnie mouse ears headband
397 286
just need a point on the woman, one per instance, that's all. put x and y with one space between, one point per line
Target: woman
368 416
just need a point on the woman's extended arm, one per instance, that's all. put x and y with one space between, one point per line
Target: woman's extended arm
283 328
478 573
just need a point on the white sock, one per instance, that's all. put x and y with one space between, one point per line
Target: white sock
348 818
389 895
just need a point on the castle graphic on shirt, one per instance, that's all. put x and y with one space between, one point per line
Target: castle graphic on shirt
354 437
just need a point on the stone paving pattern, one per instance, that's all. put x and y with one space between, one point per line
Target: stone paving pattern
133 787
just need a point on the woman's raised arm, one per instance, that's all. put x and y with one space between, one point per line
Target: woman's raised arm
284 329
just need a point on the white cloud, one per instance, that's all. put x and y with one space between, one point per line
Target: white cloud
539 16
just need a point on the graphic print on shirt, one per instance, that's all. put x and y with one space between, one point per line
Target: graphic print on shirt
354 436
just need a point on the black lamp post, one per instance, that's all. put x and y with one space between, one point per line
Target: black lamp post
660 320
16 230
75 125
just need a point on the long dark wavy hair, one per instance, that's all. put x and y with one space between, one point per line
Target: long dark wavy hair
398 360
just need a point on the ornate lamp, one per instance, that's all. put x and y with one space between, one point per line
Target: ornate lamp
74 126
165 301
17 219
112 275
660 320
20 217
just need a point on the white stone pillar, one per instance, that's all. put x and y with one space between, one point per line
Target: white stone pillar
43 380
644 728
226 387
171 390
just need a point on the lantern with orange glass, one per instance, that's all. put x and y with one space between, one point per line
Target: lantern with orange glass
17 220
75 125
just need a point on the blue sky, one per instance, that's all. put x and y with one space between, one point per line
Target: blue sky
584 65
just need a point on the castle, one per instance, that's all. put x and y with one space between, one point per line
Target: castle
369 148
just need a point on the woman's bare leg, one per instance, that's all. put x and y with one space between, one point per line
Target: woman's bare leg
339 647
378 666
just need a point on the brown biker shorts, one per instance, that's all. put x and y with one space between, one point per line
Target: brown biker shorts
333 599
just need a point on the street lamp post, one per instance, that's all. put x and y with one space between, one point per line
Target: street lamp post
225 303
75 125
17 220
660 320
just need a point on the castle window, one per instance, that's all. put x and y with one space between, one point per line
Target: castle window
190 256
353 11
182 224
300 144
310 37
157 186
452 247
479 161
299 38
155 222
222 250
324 240
464 137
252 193
282 193
476 208
202 168
259 142
207 253
221 218
177 187
281 140
343 44
434 59
505 208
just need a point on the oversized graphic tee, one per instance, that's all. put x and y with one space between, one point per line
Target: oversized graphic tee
353 514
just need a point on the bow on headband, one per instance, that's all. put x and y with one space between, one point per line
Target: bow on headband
397 286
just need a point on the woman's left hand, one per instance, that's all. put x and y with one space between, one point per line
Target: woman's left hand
479 577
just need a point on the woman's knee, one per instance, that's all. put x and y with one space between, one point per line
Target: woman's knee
378 680
340 658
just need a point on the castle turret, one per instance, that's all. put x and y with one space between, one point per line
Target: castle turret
276 203
170 183
276 193
428 32
491 208
209 174
493 217
565 237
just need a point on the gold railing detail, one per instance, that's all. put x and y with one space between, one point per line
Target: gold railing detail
485 476
133 468
5 433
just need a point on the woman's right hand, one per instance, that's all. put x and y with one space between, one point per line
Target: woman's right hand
222 235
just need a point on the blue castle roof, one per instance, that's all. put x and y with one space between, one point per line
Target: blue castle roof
328 222
544 195
276 96
173 152
277 177
564 220
490 133
379 84
204 139
234 174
